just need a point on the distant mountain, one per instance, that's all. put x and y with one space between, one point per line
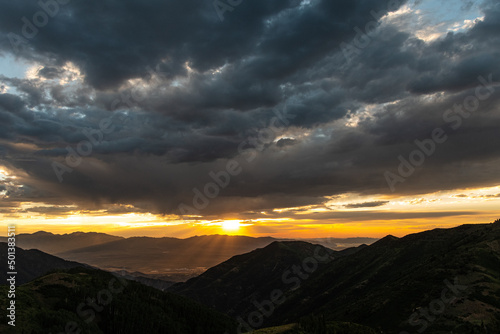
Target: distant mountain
175 259
236 284
31 264
341 243
169 259
58 243
83 300
149 280
447 280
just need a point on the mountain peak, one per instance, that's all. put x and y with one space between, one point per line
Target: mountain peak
42 233
386 240
230 285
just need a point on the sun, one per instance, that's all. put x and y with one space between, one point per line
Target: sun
231 225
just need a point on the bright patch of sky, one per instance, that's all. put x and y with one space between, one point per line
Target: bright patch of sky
430 19
12 67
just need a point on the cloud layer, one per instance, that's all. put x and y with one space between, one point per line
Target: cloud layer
155 96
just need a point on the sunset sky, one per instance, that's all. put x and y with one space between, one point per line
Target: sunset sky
287 118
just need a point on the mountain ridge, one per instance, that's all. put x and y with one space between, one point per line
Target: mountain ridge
385 286
33 263
235 285
395 276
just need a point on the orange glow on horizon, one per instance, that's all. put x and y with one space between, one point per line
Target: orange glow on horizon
289 229
345 216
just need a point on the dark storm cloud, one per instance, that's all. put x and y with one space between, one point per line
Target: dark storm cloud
217 84
285 142
473 52
117 40
366 205
326 217
50 211
479 196
50 72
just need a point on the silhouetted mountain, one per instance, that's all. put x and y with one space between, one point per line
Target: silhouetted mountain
94 301
341 243
447 280
234 285
176 259
58 243
397 284
30 264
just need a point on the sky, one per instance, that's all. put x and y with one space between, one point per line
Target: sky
285 118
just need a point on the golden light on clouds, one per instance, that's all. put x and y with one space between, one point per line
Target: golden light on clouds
347 215
3 174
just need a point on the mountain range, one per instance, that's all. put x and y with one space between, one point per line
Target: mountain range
58 243
438 281
169 259
447 280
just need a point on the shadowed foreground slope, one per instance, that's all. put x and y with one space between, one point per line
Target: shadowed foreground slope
97 302
32 263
